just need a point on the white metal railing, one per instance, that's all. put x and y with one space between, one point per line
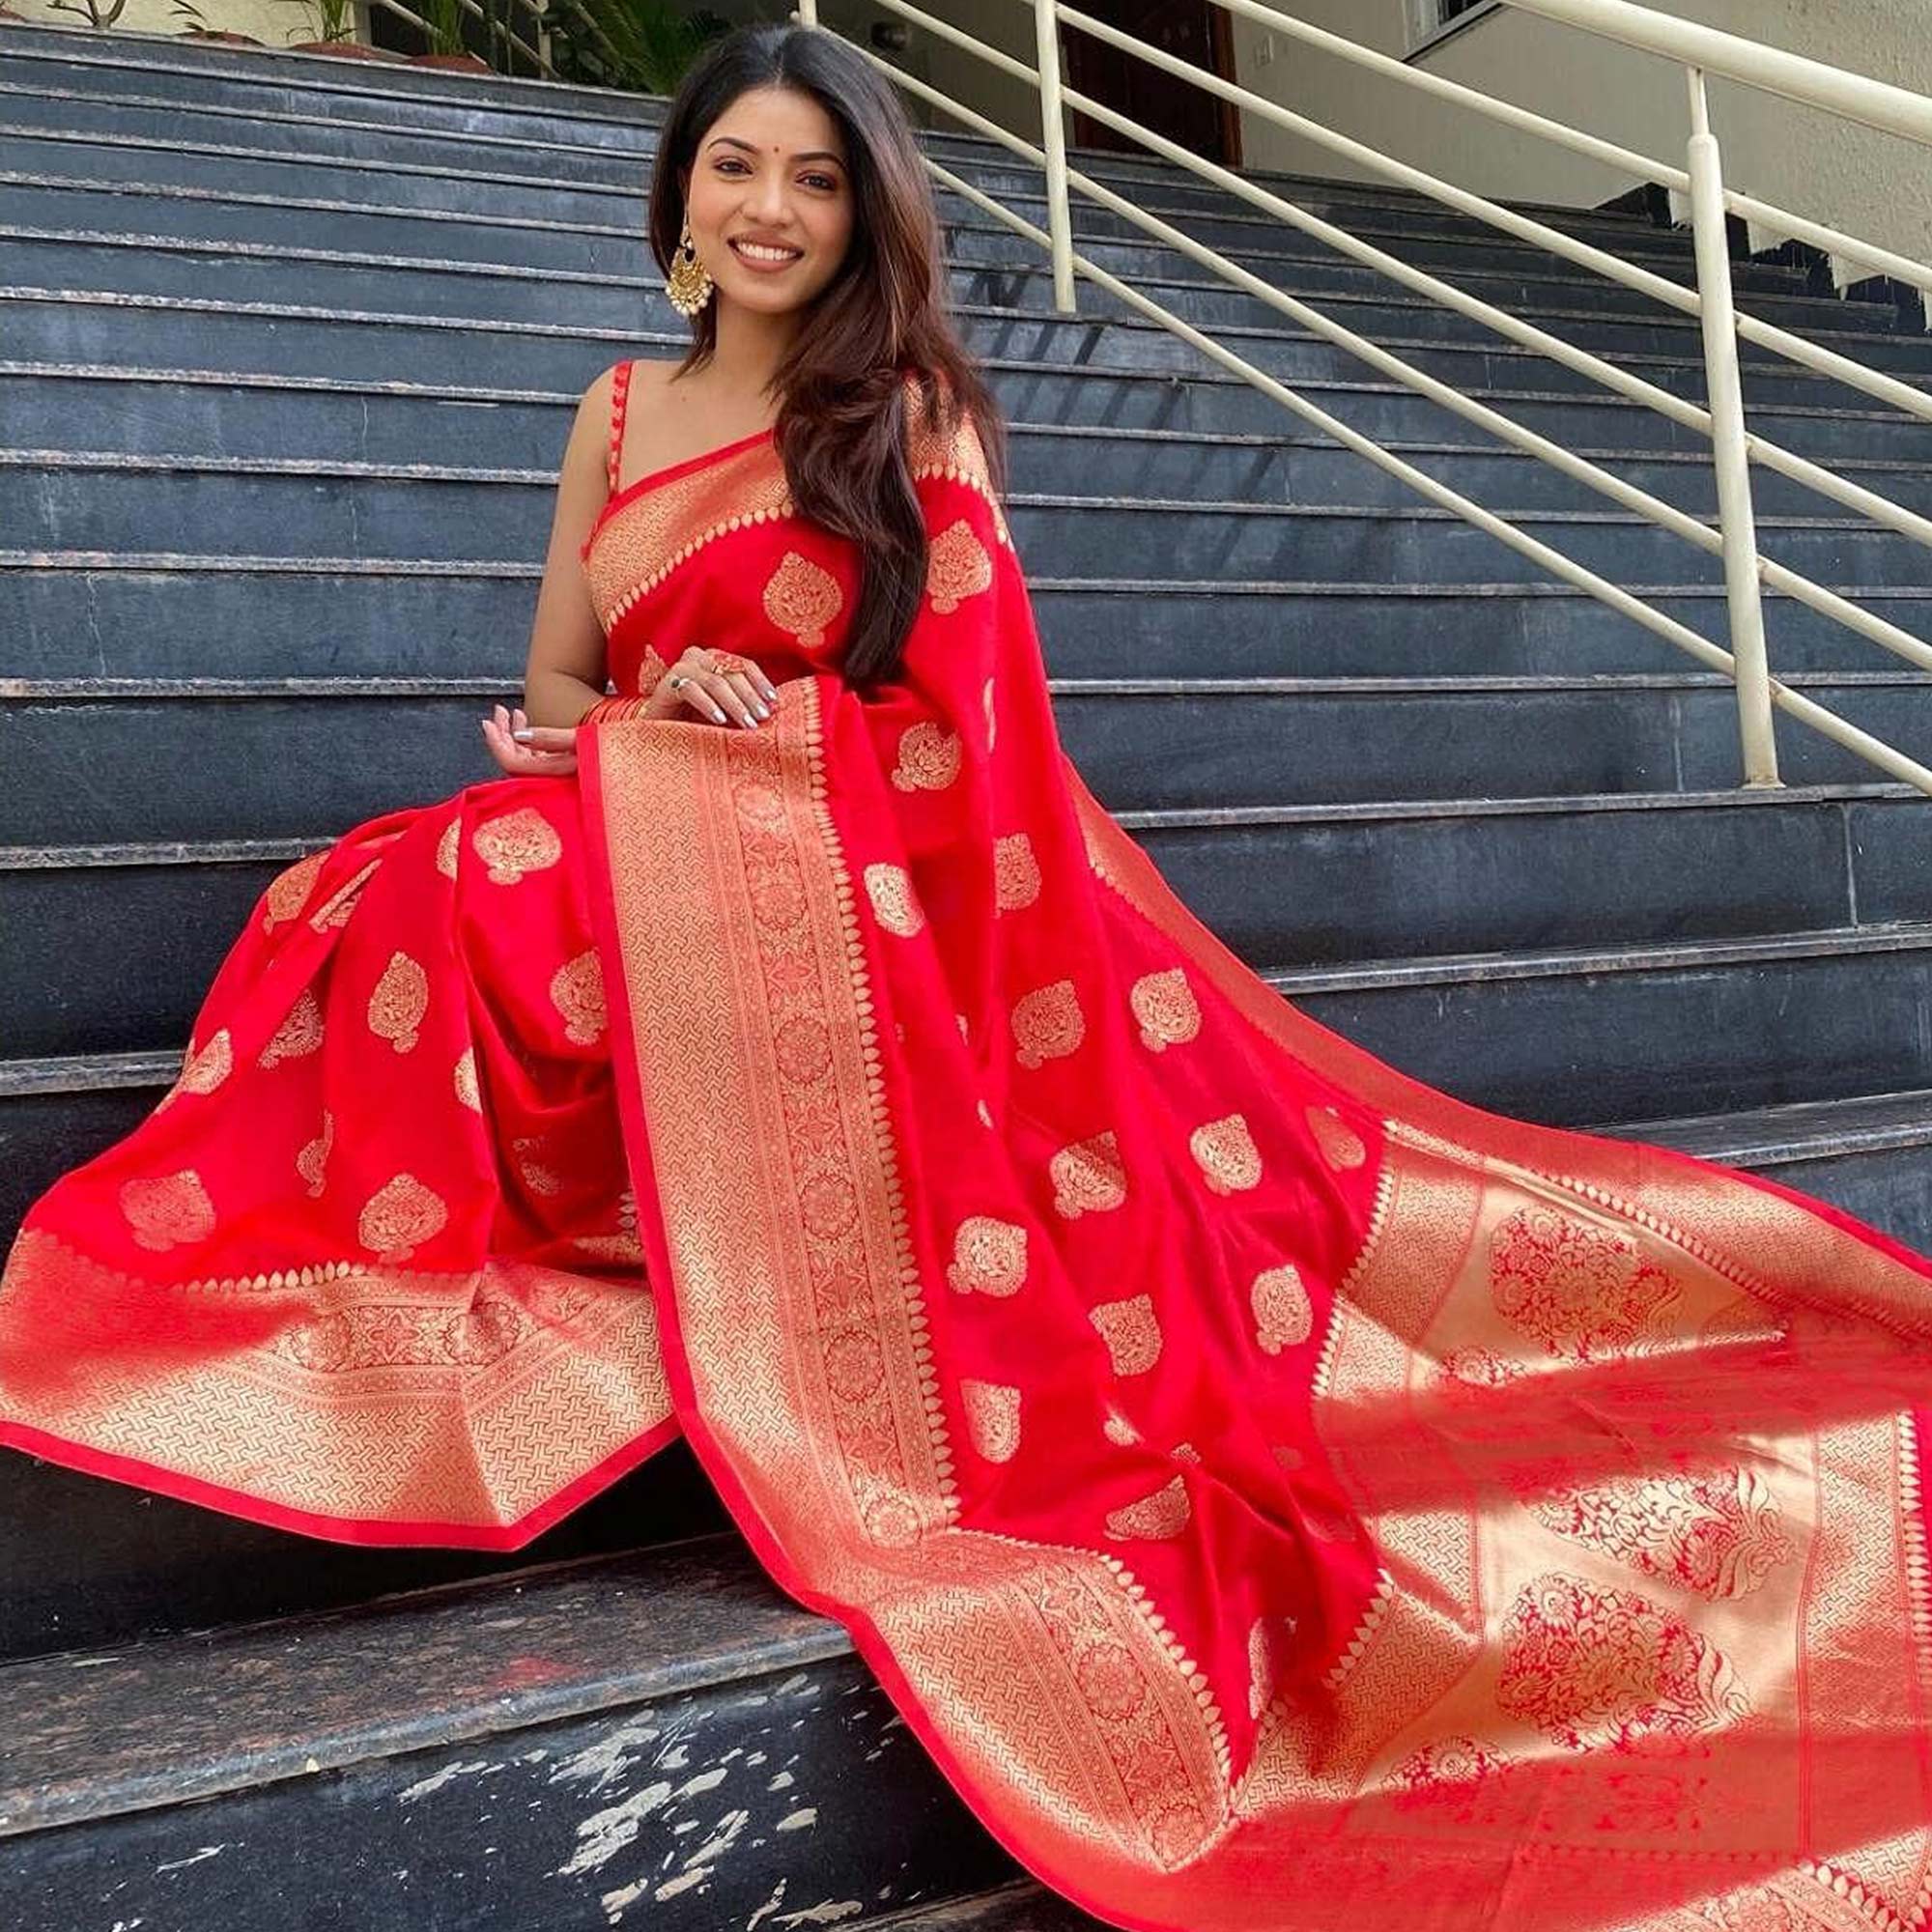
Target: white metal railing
1734 445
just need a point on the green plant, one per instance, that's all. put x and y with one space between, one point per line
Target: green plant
91 11
334 19
641 44
443 21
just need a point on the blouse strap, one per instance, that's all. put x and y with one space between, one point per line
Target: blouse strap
620 394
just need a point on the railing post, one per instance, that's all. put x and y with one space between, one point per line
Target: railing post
1737 520
1053 140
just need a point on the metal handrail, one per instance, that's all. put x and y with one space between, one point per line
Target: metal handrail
1592 147
1734 445
1851 97
1822 361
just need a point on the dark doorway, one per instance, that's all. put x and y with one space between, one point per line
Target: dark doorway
1190 30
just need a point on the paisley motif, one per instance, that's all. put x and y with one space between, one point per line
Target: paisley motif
517 843
1581 1289
957 567
399 1002
1226 1153
1131 1332
1164 1513
992 1418
576 992
1015 873
171 1211
1088 1177
1284 1315
989 1255
802 598
895 905
1165 1005
929 758
298 1036
399 1218
1047 1023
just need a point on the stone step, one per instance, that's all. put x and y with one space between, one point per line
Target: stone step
79 329
87 614
91 1563
137 408
445 265
263 758
68 135
173 185
984 273
388 117
71 328
662 1736
1285 886
319 512
59 422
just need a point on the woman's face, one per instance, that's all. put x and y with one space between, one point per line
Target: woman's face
770 201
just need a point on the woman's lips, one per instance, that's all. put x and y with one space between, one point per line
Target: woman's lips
770 262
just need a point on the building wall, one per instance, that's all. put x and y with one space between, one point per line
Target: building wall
276 22
1869 185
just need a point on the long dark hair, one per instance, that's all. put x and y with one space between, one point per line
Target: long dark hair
842 428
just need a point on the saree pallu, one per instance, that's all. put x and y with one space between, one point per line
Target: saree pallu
1270 1488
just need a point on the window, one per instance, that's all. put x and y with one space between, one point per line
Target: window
1432 20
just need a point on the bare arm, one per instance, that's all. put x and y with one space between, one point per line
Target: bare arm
566 671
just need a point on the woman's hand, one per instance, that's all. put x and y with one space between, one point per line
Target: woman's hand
549 752
720 686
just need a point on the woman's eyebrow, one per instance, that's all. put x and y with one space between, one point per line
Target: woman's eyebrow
750 148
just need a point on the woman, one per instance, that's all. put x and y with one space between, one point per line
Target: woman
1270 1488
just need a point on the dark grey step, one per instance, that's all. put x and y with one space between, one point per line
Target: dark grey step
102 328
1204 302
264 758
295 119
1293 466
1024 1906
1580 1038
316 511
1357 300
472 174
583 154
663 1735
150 409
93 1562
143 68
1285 886
120 184
365 261
89 614
138 62
181 324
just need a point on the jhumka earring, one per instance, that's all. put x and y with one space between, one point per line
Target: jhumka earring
689 283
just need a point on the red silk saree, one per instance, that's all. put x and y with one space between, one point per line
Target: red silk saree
1271 1490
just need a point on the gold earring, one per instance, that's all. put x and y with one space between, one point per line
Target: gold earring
689 283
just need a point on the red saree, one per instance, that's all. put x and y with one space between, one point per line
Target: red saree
1271 1490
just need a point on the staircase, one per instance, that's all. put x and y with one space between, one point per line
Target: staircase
288 354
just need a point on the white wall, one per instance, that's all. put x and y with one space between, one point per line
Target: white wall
1870 185
277 22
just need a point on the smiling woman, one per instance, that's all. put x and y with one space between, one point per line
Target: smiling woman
1275 1492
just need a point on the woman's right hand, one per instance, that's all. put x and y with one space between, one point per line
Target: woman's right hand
735 692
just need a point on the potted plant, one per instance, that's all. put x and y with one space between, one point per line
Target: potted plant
443 21
335 28
201 30
643 45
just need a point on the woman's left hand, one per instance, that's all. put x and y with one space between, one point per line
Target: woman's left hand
549 752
